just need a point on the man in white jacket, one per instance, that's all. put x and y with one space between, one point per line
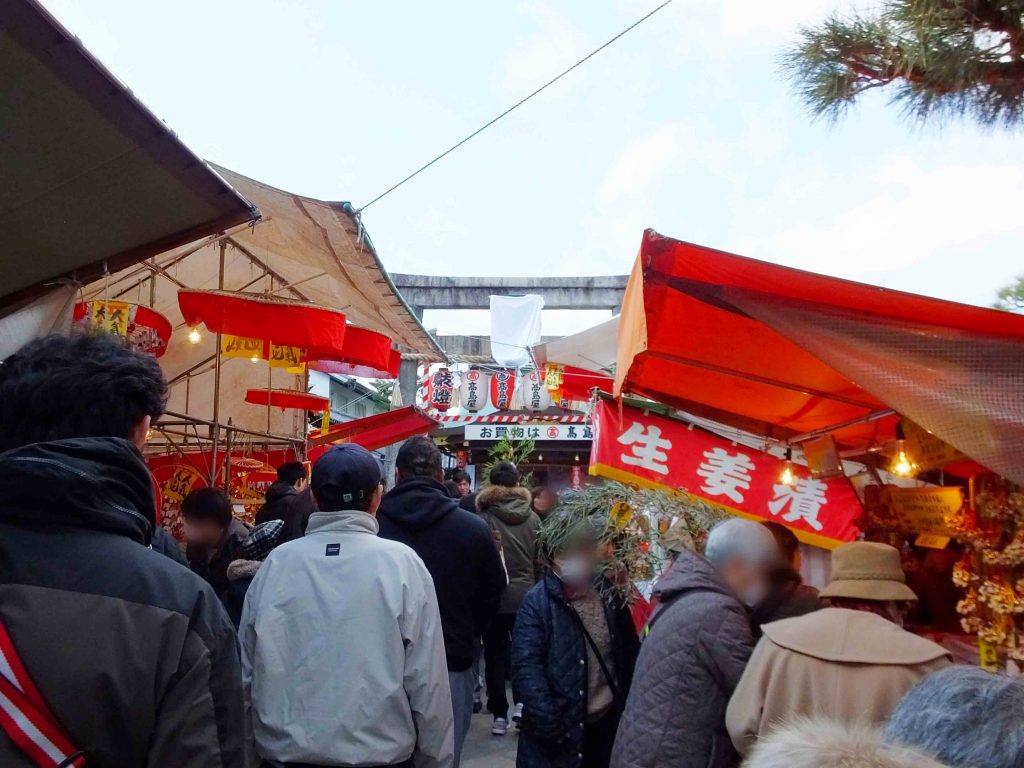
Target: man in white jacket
343 657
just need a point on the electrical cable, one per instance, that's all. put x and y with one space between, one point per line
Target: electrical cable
514 107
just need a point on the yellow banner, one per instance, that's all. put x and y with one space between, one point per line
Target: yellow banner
239 346
988 656
926 510
286 357
111 316
553 375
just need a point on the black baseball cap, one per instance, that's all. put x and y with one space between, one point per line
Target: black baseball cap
346 473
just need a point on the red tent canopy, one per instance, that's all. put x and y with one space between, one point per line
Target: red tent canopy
783 352
287 398
376 431
280 321
365 353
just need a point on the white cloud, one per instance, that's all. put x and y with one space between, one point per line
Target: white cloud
552 47
644 161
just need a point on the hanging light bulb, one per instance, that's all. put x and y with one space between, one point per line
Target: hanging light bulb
254 359
194 336
576 458
540 457
786 477
902 466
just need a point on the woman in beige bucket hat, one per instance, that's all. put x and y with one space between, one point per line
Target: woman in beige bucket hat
852 662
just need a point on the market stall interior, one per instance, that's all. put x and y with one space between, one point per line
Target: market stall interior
923 398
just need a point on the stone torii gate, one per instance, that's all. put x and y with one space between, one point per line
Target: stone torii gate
422 292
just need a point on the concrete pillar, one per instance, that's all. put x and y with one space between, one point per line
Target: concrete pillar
407 381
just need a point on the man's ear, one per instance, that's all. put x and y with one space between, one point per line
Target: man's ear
375 500
140 432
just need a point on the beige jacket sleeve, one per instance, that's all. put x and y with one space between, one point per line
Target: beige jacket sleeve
426 674
743 718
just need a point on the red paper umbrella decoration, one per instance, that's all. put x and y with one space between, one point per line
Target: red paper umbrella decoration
362 370
318 330
287 398
365 353
145 329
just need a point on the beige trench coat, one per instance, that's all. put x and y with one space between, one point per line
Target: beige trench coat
835 663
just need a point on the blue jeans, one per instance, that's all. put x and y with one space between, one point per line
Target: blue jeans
463 684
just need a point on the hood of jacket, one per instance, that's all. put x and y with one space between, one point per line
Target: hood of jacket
417 503
690 572
510 505
278 490
344 521
92 482
857 637
243 569
823 743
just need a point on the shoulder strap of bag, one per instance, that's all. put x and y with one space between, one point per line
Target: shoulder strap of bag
604 665
26 718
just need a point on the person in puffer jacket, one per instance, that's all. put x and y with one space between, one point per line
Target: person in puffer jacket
697 646
573 655
506 507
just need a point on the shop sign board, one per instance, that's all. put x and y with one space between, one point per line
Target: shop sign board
926 510
655 451
490 433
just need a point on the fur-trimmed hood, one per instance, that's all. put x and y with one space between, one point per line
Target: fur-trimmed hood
510 505
243 569
820 743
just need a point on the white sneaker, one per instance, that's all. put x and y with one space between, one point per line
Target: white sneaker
517 714
500 727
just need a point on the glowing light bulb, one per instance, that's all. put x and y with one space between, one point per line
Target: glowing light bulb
577 457
194 336
902 466
540 457
254 359
786 477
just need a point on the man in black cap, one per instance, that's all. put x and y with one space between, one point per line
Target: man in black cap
342 655
460 553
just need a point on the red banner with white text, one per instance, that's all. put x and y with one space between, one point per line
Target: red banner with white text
659 452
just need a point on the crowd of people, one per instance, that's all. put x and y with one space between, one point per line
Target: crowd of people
344 628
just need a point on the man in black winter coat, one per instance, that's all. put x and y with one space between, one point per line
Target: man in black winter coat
132 654
460 554
288 499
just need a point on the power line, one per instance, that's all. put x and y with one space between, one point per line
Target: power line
514 107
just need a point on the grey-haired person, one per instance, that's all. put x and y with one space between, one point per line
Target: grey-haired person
965 716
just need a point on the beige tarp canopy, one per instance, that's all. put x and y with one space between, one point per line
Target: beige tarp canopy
302 249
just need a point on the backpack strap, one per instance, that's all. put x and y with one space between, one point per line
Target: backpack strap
27 719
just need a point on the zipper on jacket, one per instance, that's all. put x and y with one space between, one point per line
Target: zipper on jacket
84 476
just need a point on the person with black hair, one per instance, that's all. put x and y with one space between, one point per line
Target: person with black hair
505 506
214 535
461 479
460 555
343 660
288 499
155 679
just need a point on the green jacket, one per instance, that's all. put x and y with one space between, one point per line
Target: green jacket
515 526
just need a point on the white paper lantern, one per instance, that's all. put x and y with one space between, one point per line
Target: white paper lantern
535 392
475 389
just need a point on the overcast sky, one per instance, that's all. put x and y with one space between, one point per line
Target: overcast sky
685 125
